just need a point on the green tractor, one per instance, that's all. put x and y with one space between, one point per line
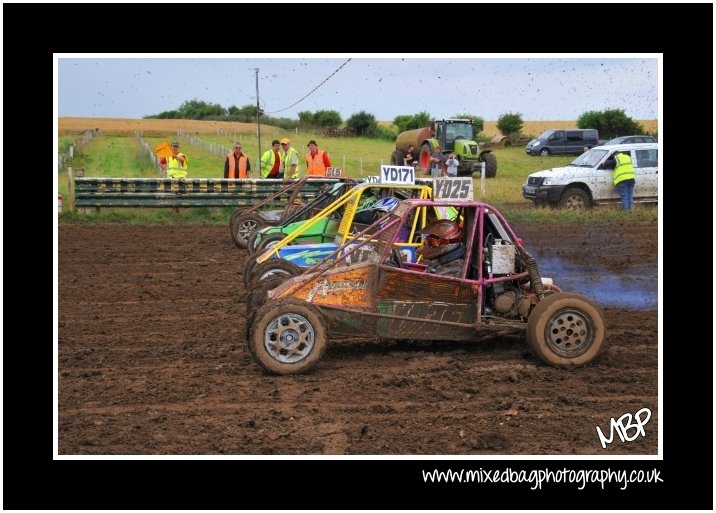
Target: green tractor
456 135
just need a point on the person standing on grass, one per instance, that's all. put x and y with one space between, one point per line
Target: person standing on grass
317 161
175 166
289 159
271 162
237 164
624 179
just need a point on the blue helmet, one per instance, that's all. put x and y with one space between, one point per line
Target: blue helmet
386 204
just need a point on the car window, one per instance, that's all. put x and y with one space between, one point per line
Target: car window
590 158
647 158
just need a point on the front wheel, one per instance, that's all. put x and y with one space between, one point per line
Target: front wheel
269 241
575 199
288 337
566 330
544 152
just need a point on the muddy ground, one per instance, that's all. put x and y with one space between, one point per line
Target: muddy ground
153 360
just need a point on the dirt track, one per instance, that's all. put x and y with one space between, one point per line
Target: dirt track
153 360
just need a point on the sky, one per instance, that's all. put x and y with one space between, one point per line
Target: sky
539 88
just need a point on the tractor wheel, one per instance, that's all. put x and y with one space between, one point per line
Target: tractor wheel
288 336
257 296
575 199
272 267
245 226
566 330
397 158
490 161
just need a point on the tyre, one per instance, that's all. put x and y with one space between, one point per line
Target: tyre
575 199
288 337
237 213
253 242
248 268
397 158
244 227
272 267
257 296
566 330
544 152
490 161
269 241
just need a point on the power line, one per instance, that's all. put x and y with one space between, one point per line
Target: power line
313 90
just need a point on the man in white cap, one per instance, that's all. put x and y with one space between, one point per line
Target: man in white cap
289 159
176 165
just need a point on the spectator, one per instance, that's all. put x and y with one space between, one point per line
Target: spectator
451 164
411 157
316 160
237 163
624 179
436 162
176 166
271 162
289 159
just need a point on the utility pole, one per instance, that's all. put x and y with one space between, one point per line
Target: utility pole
258 123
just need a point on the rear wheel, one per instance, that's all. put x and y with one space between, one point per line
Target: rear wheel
566 330
270 241
397 158
288 337
244 227
575 199
490 161
257 296
272 267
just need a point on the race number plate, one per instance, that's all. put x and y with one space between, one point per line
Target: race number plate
453 189
372 179
334 172
397 175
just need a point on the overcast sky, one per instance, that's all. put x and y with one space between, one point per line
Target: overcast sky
539 88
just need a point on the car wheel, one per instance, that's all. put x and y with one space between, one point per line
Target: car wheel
288 336
575 199
257 296
244 227
270 241
272 267
566 330
544 152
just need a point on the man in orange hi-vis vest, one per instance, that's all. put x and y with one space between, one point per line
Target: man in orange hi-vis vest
237 164
316 160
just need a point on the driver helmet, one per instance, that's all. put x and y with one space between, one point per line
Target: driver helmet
440 238
386 204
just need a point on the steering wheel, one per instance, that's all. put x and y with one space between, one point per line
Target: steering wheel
396 258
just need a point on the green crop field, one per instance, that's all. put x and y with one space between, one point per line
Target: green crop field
123 156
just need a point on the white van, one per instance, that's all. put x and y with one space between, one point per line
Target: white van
588 180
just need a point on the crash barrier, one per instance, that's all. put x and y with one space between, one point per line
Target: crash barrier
100 193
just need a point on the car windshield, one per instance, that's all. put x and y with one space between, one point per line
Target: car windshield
545 135
590 158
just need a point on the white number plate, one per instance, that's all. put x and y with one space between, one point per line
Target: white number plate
453 188
399 175
529 189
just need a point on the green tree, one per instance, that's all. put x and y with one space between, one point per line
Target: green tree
610 123
327 118
363 123
402 122
305 118
477 121
510 123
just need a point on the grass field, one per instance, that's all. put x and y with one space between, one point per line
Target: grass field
121 155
